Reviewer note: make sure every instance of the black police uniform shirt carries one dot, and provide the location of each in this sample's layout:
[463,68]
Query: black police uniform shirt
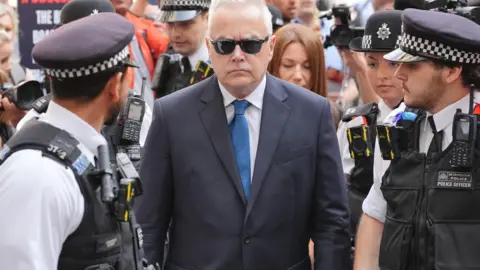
[40,201]
[375,205]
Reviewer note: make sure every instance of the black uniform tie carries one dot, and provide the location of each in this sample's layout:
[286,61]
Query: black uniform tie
[187,68]
[436,144]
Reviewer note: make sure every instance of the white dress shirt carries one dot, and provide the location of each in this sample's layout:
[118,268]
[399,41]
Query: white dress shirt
[253,114]
[347,161]
[40,201]
[375,205]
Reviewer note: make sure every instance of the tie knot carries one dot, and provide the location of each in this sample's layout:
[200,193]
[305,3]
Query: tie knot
[240,106]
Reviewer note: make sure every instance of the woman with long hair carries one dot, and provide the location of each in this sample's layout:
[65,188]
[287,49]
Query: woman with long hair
[299,58]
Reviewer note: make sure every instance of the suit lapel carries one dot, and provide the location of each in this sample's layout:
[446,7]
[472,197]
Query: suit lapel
[274,116]
[214,120]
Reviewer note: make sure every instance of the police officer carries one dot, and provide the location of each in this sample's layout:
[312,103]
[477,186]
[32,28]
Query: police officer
[277,19]
[57,197]
[75,10]
[382,35]
[186,28]
[423,213]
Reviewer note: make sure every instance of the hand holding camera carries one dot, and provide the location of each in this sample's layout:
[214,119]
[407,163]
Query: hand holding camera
[10,114]
[354,61]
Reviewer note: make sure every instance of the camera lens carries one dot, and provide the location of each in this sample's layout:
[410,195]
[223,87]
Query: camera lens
[359,146]
[27,94]
[342,35]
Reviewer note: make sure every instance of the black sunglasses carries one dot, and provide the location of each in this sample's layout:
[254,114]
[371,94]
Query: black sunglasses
[227,46]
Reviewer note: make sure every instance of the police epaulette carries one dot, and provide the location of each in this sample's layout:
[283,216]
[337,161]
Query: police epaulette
[361,110]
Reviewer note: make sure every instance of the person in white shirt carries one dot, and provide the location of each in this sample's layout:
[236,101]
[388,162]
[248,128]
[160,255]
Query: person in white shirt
[186,28]
[416,213]
[380,73]
[53,217]
[75,10]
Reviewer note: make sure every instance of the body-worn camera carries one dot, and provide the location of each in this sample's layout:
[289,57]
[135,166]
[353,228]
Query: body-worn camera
[341,34]
[457,7]
[201,72]
[24,94]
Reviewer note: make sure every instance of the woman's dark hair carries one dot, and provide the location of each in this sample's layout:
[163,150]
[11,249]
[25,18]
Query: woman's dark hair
[83,89]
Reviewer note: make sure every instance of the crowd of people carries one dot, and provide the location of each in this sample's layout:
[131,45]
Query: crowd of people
[242,134]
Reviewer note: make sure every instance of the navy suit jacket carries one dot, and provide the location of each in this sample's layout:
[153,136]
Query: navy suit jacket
[190,178]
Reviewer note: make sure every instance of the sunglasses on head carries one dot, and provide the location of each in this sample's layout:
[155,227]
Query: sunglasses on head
[227,46]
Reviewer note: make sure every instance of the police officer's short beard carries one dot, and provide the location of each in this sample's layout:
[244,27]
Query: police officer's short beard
[114,112]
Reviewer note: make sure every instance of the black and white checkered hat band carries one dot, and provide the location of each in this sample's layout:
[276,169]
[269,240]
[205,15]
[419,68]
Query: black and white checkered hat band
[437,50]
[171,5]
[91,69]
[367,41]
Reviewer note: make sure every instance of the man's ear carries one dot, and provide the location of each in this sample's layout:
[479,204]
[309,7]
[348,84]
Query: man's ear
[271,45]
[112,87]
[209,47]
[450,75]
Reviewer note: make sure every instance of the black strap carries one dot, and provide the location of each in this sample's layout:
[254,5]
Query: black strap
[53,142]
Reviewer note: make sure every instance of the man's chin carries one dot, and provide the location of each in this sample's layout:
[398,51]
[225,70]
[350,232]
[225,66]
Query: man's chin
[413,104]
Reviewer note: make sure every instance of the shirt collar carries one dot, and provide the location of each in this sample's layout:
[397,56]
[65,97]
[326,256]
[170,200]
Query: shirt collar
[383,109]
[255,98]
[62,118]
[200,55]
[444,117]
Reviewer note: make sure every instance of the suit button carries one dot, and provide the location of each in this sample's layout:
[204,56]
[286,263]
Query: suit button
[246,240]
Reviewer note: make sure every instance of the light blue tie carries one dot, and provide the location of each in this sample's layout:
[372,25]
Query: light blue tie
[241,143]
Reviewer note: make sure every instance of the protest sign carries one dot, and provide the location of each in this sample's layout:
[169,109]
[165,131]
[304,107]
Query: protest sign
[37,18]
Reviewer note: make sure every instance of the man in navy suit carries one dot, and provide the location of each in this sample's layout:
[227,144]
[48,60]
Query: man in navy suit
[243,167]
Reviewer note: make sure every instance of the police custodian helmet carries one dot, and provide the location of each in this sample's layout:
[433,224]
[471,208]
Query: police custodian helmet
[437,36]
[382,33]
[77,9]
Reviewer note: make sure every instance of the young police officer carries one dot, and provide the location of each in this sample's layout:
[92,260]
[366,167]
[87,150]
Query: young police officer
[382,35]
[423,213]
[56,218]
[186,28]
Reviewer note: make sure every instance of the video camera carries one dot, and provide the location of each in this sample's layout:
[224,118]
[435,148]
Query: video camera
[457,7]
[24,94]
[341,34]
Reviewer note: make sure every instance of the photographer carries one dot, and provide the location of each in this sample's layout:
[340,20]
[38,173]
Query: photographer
[10,115]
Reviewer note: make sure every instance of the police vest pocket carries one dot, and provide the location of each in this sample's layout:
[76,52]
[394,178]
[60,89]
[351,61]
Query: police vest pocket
[457,246]
[395,245]
[402,202]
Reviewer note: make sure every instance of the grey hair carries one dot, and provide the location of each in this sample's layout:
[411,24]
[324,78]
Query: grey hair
[7,10]
[260,4]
